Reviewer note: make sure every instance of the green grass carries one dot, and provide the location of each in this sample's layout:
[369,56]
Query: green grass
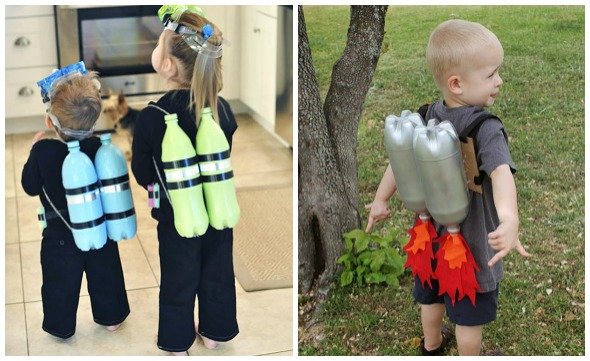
[541,103]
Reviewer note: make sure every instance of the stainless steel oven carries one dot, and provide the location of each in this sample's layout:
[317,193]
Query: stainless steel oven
[115,41]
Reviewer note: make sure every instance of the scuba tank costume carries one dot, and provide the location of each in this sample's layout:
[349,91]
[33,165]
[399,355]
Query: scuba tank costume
[89,188]
[65,236]
[454,210]
[185,184]
[194,263]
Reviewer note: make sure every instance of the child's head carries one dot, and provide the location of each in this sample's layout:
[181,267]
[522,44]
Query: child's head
[464,58]
[75,105]
[190,55]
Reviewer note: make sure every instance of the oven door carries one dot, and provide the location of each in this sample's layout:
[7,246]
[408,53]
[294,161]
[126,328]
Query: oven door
[115,41]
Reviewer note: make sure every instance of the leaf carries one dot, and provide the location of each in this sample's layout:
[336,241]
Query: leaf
[360,270]
[378,259]
[346,278]
[391,279]
[348,243]
[374,277]
[344,257]
[361,244]
[365,258]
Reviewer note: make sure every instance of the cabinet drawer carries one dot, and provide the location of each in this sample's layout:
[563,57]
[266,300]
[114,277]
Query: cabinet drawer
[30,43]
[17,11]
[22,95]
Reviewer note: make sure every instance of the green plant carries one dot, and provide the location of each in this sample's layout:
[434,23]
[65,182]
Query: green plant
[371,258]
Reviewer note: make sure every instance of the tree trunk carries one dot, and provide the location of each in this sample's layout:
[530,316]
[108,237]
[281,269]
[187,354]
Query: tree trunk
[327,172]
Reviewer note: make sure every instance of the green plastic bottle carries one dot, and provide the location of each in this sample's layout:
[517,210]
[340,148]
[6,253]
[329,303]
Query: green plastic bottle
[217,173]
[183,181]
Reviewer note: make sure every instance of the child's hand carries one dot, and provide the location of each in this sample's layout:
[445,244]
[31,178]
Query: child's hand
[378,210]
[38,136]
[503,240]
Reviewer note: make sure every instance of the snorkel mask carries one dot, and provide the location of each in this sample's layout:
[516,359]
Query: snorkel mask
[48,86]
[196,39]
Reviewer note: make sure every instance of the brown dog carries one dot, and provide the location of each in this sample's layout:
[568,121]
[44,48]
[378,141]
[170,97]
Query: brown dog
[123,117]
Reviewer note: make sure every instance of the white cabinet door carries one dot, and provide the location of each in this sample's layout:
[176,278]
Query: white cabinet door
[22,95]
[259,57]
[30,42]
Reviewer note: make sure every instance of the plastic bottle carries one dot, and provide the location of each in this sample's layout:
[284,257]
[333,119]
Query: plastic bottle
[440,166]
[115,193]
[398,138]
[217,172]
[83,197]
[183,181]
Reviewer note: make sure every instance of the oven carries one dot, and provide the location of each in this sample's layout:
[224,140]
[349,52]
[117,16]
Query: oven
[115,41]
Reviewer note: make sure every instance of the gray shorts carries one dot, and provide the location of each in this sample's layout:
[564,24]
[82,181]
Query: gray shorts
[462,313]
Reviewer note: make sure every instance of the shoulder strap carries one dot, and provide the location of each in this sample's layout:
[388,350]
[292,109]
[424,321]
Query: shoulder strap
[153,105]
[422,111]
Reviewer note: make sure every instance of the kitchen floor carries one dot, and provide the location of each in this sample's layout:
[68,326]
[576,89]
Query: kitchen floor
[265,318]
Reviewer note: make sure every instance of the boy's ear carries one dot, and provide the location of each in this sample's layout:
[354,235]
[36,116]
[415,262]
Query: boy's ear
[454,85]
[48,121]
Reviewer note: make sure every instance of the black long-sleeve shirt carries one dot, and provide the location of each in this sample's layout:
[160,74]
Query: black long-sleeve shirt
[148,135]
[43,169]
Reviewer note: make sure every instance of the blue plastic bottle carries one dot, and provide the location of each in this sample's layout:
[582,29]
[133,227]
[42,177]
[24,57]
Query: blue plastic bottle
[115,193]
[83,197]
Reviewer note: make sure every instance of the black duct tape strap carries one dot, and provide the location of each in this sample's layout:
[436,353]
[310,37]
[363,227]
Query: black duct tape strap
[180,163]
[119,215]
[82,190]
[213,156]
[117,180]
[49,215]
[184,184]
[218,177]
[89,224]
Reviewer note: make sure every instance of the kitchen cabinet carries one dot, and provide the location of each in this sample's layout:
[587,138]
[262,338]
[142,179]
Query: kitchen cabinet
[259,63]
[31,53]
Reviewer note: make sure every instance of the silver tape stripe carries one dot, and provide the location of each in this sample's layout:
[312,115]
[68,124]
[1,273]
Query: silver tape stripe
[211,167]
[184,173]
[83,198]
[115,188]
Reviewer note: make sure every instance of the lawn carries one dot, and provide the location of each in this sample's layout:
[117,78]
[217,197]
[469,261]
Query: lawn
[541,103]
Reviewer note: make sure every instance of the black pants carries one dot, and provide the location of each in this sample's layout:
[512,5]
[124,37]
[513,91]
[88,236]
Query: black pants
[63,264]
[196,267]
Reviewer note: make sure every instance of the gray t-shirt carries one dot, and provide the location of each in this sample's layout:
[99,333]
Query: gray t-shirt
[492,151]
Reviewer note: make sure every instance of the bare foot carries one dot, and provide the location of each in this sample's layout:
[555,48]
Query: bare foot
[210,344]
[113,328]
[185,353]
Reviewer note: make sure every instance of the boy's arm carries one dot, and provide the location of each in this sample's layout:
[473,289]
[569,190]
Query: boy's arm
[505,237]
[379,209]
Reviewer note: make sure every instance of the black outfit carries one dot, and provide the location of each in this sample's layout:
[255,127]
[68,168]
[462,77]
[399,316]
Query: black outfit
[190,267]
[62,262]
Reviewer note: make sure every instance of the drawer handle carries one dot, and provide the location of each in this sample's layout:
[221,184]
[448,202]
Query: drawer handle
[22,41]
[256,30]
[26,91]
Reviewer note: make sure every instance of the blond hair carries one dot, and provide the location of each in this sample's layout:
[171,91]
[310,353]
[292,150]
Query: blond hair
[200,73]
[76,102]
[452,44]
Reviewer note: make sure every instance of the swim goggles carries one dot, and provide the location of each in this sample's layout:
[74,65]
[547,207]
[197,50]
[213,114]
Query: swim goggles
[197,40]
[48,86]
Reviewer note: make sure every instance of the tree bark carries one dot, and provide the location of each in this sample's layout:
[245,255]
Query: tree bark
[327,168]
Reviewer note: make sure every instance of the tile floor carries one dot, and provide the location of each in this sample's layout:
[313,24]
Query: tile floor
[265,317]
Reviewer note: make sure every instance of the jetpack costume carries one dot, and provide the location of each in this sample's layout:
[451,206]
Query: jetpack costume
[430,175]
[99,201]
